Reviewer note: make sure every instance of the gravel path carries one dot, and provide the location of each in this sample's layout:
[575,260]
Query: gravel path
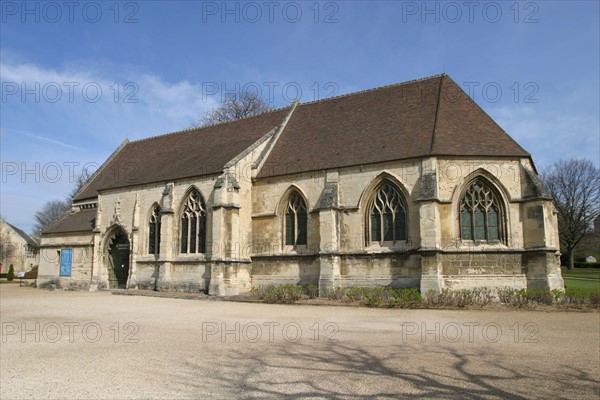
[96,345]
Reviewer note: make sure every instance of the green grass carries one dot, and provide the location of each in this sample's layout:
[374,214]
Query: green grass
[592,274]
[576,283]
[582,273]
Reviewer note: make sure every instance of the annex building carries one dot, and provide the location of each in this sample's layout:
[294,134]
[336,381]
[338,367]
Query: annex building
[408,185]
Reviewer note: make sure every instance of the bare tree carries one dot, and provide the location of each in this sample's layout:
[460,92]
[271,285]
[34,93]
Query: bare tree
[575,187]
[50,213]
[54,210]
[80,181]
[234,107]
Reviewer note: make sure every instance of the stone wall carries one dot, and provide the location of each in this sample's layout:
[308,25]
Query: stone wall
[393,270]
[81,262]
[245,230]
[278,270]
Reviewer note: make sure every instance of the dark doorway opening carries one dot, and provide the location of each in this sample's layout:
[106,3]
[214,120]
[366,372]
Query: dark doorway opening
[118,260]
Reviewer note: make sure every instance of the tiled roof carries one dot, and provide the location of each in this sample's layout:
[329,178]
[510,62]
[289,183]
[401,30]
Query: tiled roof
[80,221]
[194,152]
[431,116]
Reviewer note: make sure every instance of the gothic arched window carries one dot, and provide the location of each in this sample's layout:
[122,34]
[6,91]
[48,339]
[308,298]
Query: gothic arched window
[193,224]
[296,219]
[154,231]
[481,213]
[386,219]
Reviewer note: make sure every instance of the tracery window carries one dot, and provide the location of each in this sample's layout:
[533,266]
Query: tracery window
[296,220]
[386,215]
[193,224]
[154,231]
[481,213]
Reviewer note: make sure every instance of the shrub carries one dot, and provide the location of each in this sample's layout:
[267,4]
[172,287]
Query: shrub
[11,273]
[581,296]
[595,298]
[445,297]
[559,296]
[312,290]
[355,294]
[514,297]
[483,296]
[406,298]
[459,298]
[373,297]
[259,291]
[336,293]
[463,297]
[541,296]
[283,294]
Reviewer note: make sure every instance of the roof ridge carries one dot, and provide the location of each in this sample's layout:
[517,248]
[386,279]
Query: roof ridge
[98,171]
[288,106]
[24,235]
[210,125]
[437,114]
[375,88]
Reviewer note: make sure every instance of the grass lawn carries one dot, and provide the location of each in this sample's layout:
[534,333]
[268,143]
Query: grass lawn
[575,283]
[593,274]
[581,273]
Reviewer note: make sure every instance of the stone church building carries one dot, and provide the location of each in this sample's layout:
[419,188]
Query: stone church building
[408,185]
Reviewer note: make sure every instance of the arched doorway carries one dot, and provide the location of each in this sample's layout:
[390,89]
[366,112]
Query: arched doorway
[118,259]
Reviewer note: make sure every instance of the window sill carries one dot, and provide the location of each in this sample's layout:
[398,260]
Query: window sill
[482,244]
[300,249]
[191,257]
[387,246]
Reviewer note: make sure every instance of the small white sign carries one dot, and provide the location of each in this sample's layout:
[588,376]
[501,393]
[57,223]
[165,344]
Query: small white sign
[21,275]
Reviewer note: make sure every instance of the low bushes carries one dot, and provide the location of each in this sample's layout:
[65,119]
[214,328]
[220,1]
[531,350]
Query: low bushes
[479,296]
[283,294]
[577,297]
[378,296]
[412,298]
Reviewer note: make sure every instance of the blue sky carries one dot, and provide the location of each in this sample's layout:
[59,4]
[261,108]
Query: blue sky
[79,78]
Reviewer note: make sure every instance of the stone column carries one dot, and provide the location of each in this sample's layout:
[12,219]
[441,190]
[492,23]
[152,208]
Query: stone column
[96,260]
[431,272]
[542,257]
[168,237]
[329,246]
[225,236]
[430,228]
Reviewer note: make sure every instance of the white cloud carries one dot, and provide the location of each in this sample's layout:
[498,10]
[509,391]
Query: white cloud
[41,129]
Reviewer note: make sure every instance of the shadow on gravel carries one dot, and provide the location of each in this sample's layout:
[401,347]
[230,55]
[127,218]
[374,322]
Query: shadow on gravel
[333,370]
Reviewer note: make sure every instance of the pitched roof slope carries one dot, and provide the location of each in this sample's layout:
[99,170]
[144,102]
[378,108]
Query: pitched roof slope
[196,152]
[80,221]
[432,116]
[463,128]
[23,235]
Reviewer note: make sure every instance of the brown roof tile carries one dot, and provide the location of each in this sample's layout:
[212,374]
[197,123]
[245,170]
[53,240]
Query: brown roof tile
[196,152]
[389,123]
[431,116]
[464,129]
[81,221]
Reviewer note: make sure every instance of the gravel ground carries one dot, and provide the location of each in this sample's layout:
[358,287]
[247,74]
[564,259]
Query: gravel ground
[80,345]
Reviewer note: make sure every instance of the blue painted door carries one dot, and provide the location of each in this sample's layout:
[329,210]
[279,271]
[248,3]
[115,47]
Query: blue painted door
[66,256]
